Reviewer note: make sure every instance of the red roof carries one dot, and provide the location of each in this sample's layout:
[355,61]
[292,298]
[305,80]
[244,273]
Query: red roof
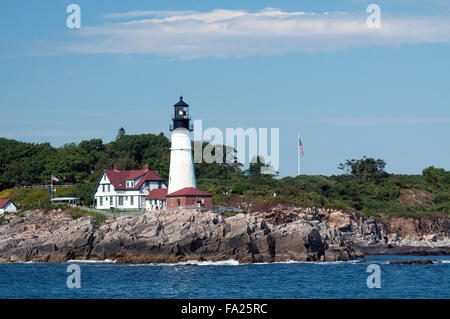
[3,202]
[157,193]
[189,191]
[119,177]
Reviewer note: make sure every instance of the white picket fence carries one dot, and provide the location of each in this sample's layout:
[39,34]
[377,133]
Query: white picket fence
[45,186]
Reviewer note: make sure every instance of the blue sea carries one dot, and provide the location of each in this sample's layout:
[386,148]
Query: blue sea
[229,279]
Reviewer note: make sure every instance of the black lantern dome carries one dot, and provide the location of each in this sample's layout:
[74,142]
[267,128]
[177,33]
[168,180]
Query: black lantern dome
[181,116]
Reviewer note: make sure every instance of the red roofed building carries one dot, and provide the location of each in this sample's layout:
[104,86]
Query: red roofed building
[126,189]
[156,200]
[6,205]
[189,198]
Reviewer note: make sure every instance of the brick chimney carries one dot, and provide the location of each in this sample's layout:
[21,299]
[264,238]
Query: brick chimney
[146,167]
[116,167]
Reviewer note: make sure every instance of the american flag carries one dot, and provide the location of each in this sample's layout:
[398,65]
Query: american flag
[55,179]
[300,146]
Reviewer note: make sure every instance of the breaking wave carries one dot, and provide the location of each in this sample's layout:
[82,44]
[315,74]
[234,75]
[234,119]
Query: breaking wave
[92,261]
[230,262]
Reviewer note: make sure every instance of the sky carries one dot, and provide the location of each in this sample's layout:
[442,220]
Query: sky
[312,68]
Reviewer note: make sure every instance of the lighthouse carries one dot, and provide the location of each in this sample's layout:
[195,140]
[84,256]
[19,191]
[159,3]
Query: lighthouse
[181,173]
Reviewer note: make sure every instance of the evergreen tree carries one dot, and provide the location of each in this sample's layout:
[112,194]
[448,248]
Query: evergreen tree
[121,132]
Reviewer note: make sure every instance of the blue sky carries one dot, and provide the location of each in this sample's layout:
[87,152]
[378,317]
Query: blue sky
[303,66]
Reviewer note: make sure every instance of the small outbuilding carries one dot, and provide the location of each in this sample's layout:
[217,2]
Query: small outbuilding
[7,206]
[156,199]
[189,198]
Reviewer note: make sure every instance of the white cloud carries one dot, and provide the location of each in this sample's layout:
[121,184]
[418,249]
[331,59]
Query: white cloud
[239,33]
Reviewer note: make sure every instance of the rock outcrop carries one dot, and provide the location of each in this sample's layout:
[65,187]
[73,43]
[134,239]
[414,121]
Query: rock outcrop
[52,237]
[366,235]
[161,237]
[301,234]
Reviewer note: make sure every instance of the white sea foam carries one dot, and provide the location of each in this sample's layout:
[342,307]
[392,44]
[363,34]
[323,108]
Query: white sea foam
[92,261]
[308,262]
[230,262]
[280,262]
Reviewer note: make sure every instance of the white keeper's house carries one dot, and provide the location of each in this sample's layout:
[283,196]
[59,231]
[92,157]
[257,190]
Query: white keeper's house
[128,189]
[6,205]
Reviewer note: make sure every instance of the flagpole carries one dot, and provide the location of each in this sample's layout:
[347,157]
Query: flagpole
[298,154]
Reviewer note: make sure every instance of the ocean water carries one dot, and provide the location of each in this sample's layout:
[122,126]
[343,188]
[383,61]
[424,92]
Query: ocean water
[229,279]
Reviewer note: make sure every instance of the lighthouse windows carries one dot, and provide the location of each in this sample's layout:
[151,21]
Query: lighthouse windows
[180,112]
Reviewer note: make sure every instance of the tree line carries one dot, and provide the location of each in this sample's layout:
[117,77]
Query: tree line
[363,186]
[31,164]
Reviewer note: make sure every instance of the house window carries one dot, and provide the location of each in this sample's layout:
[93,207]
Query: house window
[171,202]
[103,187]
[111,201]
[132,200]
[159,184]
[109,187]
[101,201]
[104,177]
[120,200]
[178,202]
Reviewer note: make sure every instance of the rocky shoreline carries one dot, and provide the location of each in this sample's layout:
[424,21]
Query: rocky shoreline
[282,234]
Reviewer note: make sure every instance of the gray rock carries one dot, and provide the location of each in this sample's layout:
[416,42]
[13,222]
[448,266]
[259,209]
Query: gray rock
[300,234]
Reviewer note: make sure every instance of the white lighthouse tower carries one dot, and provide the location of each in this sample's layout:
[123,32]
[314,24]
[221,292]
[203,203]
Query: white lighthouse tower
[181,172]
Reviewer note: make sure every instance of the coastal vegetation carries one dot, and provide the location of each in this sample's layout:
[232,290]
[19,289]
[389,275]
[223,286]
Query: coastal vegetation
[364,186]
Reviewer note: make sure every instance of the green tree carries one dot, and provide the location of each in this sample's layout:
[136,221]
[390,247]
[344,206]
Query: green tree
[69,164]
[93,149]
[433,175]
[121,132]
[365,168]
